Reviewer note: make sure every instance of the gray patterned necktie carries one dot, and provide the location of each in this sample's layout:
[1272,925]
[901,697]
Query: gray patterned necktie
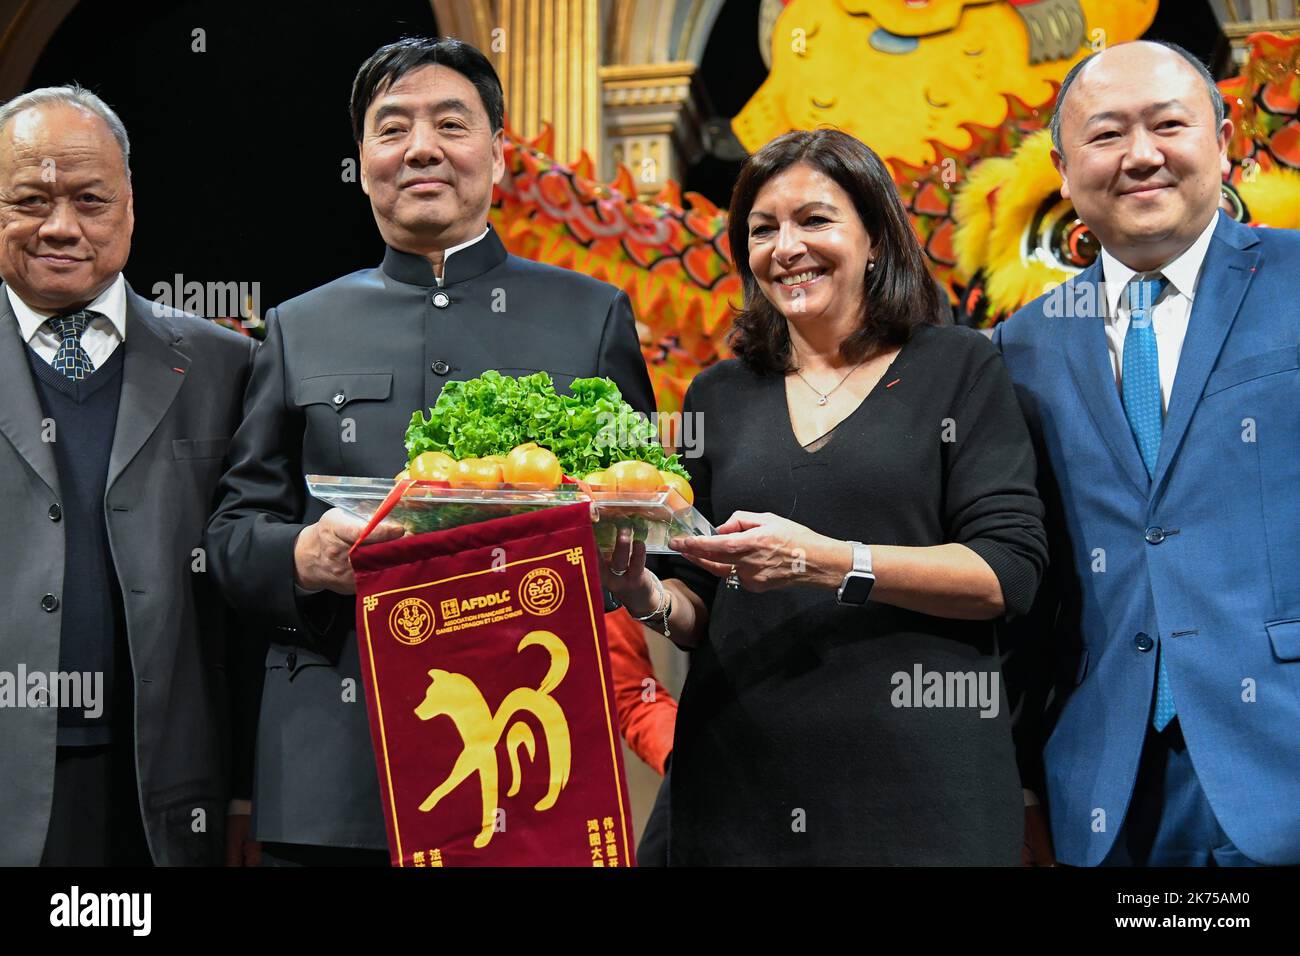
[71,359]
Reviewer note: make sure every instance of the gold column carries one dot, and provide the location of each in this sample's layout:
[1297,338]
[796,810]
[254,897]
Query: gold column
[548,55]
[653,118]
[468,20]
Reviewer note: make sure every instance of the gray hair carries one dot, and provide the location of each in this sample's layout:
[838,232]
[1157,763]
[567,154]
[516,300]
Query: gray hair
[72,95]
[1216,97]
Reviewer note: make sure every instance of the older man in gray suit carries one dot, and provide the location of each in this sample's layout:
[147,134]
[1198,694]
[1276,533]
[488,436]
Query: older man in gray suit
[115,415]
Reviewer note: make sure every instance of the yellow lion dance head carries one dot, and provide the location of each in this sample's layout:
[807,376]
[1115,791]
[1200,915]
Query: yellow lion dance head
[901,74]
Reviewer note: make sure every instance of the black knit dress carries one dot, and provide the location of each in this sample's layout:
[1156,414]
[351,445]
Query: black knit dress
[793,744]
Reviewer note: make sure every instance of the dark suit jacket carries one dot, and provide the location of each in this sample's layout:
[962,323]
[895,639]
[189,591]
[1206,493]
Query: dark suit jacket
[182,383]
[332,392]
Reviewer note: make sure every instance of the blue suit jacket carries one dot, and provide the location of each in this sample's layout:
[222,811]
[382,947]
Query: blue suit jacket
[1206,556]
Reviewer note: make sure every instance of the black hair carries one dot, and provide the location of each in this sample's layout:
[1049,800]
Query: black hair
[390,63]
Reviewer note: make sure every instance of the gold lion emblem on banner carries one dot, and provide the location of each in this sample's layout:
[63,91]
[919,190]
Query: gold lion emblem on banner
[541,591]
[411,620]
[457,697]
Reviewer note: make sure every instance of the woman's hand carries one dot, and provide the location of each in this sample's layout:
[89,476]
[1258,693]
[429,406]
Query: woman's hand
[769,552]
[636,588]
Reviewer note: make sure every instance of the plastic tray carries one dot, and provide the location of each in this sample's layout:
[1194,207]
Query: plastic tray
[435,506]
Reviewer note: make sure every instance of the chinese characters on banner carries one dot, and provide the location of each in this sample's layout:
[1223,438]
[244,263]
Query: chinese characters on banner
[602,853]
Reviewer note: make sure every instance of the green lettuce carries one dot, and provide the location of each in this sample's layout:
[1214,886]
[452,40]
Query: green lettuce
[588,430]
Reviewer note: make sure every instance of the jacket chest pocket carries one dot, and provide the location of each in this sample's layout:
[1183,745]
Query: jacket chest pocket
[340,409]
[200,458]
[199,449]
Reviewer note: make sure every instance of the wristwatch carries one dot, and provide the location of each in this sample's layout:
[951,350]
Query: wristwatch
[856,586]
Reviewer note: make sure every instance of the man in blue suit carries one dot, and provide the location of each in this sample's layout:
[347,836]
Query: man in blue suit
[1162,387]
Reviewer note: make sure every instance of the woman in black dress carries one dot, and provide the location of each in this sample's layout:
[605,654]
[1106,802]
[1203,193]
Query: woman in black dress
[826,717]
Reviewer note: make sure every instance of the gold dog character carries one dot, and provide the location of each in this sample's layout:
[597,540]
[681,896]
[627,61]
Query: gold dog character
[457,697]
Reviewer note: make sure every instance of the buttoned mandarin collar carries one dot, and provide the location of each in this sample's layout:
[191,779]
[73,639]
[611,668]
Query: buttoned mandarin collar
[464,263]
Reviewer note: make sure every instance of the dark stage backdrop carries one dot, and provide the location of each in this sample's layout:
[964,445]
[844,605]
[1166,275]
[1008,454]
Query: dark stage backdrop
[237,152]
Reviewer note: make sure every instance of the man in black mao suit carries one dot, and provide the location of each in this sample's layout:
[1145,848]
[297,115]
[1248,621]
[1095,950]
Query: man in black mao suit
[332,392]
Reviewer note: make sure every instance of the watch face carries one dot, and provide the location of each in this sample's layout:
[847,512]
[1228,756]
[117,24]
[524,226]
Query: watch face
[857,588]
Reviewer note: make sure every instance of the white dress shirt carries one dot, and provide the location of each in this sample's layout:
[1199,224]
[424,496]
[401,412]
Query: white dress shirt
[1172,310]
[454,249]
[104,333]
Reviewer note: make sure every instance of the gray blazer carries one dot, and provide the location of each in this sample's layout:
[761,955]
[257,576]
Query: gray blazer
[333,389]
[182,386]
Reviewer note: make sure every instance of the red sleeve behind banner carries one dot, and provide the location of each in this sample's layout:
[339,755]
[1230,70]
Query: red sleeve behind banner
[490,696]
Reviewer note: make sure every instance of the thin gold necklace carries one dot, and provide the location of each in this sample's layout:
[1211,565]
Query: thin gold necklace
[823,397]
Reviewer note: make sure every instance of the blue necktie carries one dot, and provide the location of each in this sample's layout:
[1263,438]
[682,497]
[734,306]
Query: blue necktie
[71,359]
[1143,407]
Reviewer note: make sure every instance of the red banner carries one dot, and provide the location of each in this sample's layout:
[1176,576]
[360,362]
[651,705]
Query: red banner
[490,697]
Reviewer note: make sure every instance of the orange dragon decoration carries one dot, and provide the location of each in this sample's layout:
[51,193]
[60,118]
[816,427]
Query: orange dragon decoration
[673,262]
